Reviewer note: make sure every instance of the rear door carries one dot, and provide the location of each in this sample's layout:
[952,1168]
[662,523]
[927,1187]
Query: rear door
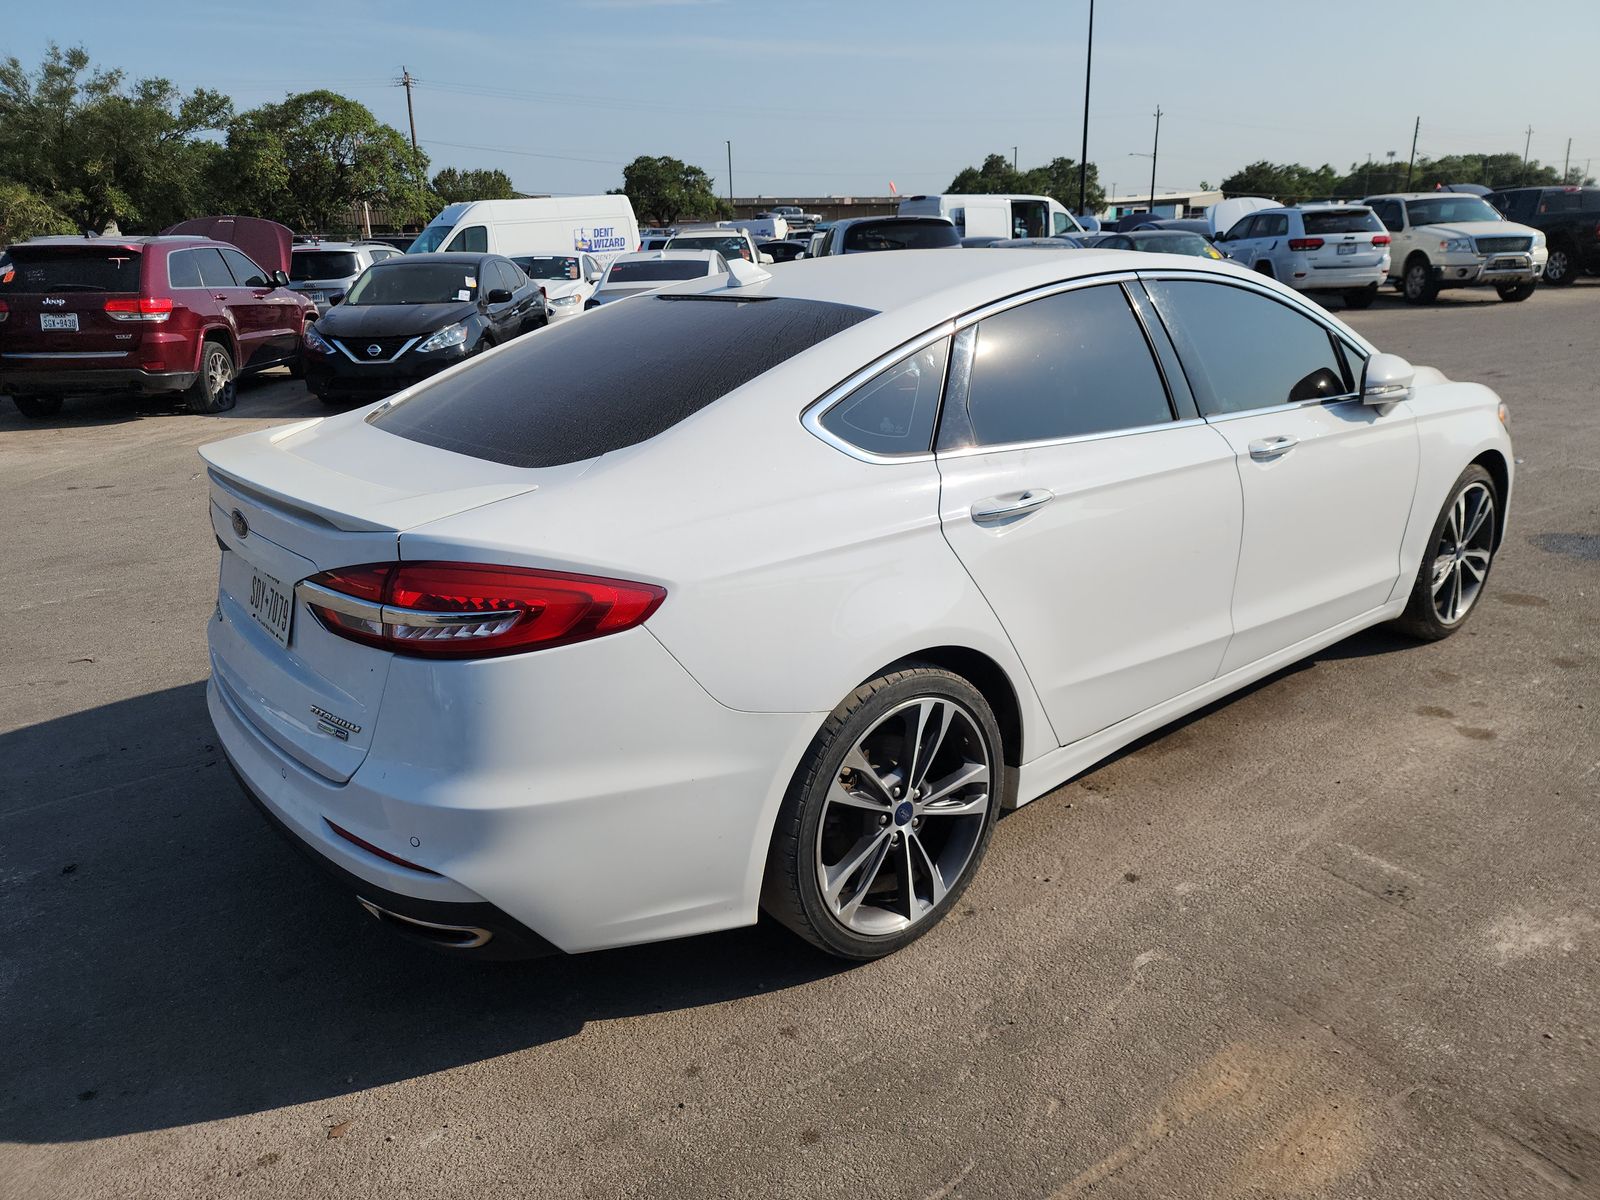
[56,299]
[1235,243]
[1102,529]
[1327,481]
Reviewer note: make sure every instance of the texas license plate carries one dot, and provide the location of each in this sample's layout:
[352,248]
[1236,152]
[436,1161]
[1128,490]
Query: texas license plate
[271,606]
[1504,264]
[317,297]
[1347,247]
[59,321]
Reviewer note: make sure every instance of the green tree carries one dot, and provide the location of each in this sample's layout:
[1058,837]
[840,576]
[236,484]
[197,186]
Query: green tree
[1057,179]
[95,147]
[453,186]
[1288,182]
[306,160]
[664,191]
[23,214]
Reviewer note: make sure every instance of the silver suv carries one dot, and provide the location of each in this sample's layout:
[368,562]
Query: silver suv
[324,271]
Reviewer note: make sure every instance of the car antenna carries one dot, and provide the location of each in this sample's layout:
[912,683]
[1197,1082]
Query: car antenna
[744,274]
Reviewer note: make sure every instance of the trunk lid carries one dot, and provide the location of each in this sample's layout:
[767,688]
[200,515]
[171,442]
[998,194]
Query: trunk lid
[287,503]
[56,296]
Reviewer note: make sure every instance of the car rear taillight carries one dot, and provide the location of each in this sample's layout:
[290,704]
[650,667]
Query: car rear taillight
[144,308]
[471,610]
[1380,239]
[5,310]
[1305,243]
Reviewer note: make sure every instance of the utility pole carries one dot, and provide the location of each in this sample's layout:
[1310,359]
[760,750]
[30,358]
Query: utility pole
[406,81]
[1566,163]
[1412,161]
[1013,160]
[1155,149]
[1083,155]
[1526,142]
[730,171]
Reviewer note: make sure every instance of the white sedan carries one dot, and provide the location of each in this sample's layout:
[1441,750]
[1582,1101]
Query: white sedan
[774,589]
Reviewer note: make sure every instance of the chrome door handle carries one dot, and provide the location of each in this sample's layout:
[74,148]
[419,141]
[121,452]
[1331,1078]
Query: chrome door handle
[1273,447]
[998,510]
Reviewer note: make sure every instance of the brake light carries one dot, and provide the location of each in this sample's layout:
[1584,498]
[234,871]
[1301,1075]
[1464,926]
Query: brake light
[1305,243]
[144,308]
[1380,239]
[5,310]
[471,610]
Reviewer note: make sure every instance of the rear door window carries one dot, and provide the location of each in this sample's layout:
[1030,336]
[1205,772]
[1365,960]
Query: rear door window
[76,271]
[1271,225]
[575,391]
[213,270]
[1242,350]
[1064,366]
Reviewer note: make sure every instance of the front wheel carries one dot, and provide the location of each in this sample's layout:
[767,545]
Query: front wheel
[215,388]
[1361,297]
[1456,566]
[1515,292]
[889,814]
[1418,283]
[38,408]
[1559,268]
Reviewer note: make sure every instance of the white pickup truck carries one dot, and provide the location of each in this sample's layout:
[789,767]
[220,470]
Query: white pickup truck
[1451,239]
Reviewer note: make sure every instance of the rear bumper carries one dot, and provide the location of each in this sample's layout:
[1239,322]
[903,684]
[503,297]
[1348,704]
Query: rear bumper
[1318,278]
[49,381]
[585,815]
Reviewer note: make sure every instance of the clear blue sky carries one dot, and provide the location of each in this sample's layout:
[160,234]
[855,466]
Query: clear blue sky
[837,97]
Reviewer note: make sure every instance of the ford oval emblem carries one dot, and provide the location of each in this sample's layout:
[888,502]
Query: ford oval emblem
[374,350]
[241,527]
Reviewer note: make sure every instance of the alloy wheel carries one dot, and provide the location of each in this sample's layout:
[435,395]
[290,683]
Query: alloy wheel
[1557,266]
[903,816]
[1461,559]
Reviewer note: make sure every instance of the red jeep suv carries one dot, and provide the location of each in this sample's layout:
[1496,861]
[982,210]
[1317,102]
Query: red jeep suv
[182,313]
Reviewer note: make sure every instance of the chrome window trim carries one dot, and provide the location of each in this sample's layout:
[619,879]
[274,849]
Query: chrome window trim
[973,316]
[1280,408]
[1132,431]
[811,418]
[1291,300]
[376,362]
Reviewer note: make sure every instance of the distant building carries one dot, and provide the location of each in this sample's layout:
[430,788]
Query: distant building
[829,208]
[1168,205]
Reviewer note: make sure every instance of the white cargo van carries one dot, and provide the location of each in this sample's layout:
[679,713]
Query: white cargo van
[995,216]
[603,226]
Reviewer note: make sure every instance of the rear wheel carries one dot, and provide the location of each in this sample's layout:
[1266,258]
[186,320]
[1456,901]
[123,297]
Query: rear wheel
[1419,285]
[889,814]
[215,388]
[1561,267]
[1515,291]
[38,408]
[1456,567]
[1361,297]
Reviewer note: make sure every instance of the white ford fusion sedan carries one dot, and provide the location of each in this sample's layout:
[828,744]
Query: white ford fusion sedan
[773,590]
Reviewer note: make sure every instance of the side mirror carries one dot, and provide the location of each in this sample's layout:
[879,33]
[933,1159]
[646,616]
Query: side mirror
[764,260]
[593,277]
[799,254]
[499,296]
[279,279]
[1386,380]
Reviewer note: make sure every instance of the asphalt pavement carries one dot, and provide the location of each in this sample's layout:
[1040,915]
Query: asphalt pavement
[1336,936]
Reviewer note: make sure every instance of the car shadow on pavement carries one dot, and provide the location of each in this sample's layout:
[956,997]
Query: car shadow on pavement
[257,398]
[166,959]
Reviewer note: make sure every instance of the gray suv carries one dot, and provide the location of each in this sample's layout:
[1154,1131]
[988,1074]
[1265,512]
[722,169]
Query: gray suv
[324,271]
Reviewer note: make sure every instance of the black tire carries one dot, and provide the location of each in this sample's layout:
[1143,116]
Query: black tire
[1561,269]
[1422,618]
[1361,297]
[38,408]
[793,890]
[1515,293]
[297,365]
[1418,284]
[216,387]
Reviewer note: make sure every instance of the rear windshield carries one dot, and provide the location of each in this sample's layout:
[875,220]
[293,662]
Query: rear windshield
[72,271]
[1360,220]
[404,283]
[616,378]
[323,264]
[900,235]
[639,272]
[726,246]
[549,266]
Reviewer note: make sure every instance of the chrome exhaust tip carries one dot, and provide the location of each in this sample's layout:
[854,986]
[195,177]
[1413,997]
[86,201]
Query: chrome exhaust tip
[448,937]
